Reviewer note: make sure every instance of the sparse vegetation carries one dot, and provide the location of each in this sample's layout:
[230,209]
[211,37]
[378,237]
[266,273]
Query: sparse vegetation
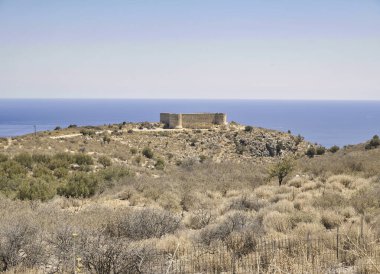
[204,203]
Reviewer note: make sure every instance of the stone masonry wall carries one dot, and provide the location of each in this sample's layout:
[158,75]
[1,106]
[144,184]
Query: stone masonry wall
[196,120]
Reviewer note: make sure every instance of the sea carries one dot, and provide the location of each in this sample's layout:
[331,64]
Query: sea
[324,122]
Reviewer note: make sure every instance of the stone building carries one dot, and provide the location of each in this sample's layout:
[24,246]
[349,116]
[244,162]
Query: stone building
[192,120]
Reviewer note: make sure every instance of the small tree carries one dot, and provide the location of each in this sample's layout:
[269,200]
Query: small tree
[148,153]
[248,129]
[320,150]
[334,149]
[310,152]
[281,169]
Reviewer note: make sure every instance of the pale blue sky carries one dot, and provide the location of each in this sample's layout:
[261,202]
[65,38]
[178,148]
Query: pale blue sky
[267,49]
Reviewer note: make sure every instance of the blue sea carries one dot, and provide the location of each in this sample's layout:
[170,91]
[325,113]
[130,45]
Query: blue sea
[324,122]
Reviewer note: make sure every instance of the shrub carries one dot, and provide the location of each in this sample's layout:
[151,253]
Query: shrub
[330,219]
[12,169]
[144,224]
[298,139]
[57,128]
[79,185]
[334,149]
[41,158]
[88,132]
[83,159]
[160,164]
[3,157]
[104,161]
[133,151]
[36,189]
[148,153]
[373,143]
[61,172]
[40,170]
[310,152]
[106,139]
[248,129]
[281,169]
[72,126]
[24,159]
[320,150]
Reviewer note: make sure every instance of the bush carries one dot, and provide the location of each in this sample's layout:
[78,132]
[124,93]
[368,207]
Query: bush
[79,185]
[72,126]
[334,149]
[320,150]
[24,159]
[148,153]
[133,151]
[41,158]
[57,128]
[104,161]
[248,129]
[83,159]
[61,172]
[160,164]
[3,157]
[11,169]
[373,143]
[281,169]
[310,152]
[36,189]
[144,224]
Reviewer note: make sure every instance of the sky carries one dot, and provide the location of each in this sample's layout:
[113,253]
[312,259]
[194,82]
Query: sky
[240,49]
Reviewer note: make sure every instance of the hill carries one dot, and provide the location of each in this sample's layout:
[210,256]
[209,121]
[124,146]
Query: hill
[146,195]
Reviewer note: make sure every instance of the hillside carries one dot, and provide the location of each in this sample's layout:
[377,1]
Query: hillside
[196,201]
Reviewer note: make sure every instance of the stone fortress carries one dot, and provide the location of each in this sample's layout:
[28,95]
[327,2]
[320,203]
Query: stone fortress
[192,120]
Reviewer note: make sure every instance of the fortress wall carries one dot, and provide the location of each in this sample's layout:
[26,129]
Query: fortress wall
[175,121]
[164,118]
[202,120]
[195,120]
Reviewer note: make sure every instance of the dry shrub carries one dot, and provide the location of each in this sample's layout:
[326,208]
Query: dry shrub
[170,201]
[309,186]
[330,199]
[330,219]
[312,228]
[144,224]
[277,221]
[283,206]
[199,219]
[246,202]
[297,182]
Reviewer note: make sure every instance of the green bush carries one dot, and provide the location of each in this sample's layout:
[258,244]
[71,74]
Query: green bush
[320,150]
[3,157]
[133,151]
[310,152]
[36,189]
[281,169]
[373,143]
[11,169]
[248,129]
[334,149]
[24,159]
[83,159]
[61,172]
[41,170]
[79,185]
[114,173]
[160,164]
[104,161]
[41,158]
[148,153]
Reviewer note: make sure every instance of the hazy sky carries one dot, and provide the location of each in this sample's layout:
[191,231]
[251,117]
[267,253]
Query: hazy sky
[263,49]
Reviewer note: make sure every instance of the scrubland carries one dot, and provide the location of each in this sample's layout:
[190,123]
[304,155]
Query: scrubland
[112,216]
